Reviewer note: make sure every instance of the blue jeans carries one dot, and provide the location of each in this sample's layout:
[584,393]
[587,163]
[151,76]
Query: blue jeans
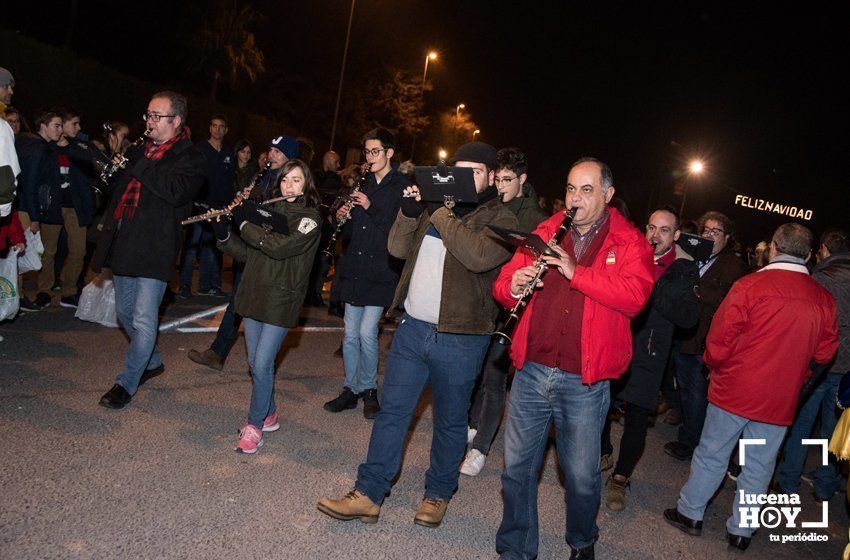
[820,403]
[263,341]
[418,355]
[693,393]
[711,459]
[539,396]
[137,303]
[360,347]
[228,329]
[201,238]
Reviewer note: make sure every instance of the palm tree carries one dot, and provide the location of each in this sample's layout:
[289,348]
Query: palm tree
[225,46]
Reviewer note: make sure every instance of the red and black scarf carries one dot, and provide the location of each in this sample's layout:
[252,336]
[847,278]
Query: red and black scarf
[126,209]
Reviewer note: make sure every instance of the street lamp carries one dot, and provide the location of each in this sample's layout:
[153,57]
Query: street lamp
[695,167]
[475,133]
[442,154]
[432,55]
[342,74]
[457,111]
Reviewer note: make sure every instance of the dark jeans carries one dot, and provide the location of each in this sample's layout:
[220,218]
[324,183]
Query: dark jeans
[201,239]
[228,330]
[450,363]
[488,404]
[693,392]
[633,441]
[819,406]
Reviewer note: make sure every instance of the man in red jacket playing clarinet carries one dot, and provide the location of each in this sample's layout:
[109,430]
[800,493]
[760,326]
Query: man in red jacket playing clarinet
[573,338]
[772,330]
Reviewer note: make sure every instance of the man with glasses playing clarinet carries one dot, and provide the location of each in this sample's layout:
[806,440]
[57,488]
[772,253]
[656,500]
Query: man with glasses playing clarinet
[367,274]
[717,274]
[141,234]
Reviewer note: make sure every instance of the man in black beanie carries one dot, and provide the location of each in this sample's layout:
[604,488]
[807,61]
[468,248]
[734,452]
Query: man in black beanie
[451,259]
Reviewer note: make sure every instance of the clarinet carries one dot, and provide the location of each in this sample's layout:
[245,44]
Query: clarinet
[503,335]
[112,167]
[241,197]
[349,205]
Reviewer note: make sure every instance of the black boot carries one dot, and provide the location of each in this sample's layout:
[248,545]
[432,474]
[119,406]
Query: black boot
[345,401]
[370,403]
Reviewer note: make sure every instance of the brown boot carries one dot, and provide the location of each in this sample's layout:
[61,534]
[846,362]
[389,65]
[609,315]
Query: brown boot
[353,505]
[207,358]
[615,492]
[431,512]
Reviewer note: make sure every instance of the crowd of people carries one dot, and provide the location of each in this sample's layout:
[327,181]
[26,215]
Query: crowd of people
[626,324]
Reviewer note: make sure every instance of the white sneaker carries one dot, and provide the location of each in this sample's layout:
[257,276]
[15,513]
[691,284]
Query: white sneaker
[470,435]
[473,463]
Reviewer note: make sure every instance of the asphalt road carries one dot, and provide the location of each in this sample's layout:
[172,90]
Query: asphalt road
[160,479]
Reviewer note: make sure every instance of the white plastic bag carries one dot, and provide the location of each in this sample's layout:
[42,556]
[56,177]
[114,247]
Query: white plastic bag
[10,299]
[97,303]
[31,259]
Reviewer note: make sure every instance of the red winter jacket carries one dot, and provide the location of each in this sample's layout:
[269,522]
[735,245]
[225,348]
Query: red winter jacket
[768,328]
[11,232]
[616,287]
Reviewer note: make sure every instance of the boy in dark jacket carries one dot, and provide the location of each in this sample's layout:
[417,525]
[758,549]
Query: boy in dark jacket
[368,274]
[519,197]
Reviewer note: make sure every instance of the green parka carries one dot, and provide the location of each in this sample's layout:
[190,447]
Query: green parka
[277,267]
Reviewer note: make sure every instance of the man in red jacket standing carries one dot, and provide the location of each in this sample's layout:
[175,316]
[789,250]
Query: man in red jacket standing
[573,337]
[757,371]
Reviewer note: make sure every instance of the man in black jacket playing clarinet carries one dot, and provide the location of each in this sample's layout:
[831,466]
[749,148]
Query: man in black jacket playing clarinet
[141,234]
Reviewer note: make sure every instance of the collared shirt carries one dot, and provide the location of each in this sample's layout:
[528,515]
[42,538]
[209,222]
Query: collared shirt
[582,242]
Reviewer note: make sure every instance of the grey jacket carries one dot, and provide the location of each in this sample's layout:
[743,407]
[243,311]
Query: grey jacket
[833,273]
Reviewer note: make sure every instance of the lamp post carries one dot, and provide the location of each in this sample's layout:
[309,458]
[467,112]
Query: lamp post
[342,74]
[442,154]
[432,55]
[696,167]
[475,133]
[457,111]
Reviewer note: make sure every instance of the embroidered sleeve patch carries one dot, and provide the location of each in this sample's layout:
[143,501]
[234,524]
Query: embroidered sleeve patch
[307,225]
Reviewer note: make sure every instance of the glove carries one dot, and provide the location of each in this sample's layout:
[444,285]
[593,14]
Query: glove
[241,214]
[411,207]
[221,228]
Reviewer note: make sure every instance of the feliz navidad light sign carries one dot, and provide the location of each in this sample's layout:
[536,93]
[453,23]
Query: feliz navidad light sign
[773,207]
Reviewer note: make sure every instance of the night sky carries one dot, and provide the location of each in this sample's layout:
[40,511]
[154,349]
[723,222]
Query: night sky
[754,91]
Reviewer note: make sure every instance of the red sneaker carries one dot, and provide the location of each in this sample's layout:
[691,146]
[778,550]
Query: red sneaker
[250,439]
[270,424]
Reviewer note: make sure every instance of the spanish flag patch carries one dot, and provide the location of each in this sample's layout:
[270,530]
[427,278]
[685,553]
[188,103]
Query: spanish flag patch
[611,258]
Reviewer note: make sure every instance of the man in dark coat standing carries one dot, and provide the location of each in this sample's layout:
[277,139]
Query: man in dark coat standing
[141,234]
[717,275]
[368,275]
[672,304]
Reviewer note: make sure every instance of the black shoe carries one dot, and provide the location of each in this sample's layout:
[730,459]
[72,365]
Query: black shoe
[117,397]
[43,299]
[336,309]
[345,401]
[57,287]
[150,374]
[585,553]
[737,541]
[185,292]
[27,305]
[370,403]
[678,450]
[684,524]
[70,301]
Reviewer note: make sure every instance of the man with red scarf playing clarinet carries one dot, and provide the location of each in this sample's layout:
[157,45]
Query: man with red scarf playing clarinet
[141,234]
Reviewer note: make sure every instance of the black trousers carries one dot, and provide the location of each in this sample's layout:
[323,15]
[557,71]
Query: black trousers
[633,441]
